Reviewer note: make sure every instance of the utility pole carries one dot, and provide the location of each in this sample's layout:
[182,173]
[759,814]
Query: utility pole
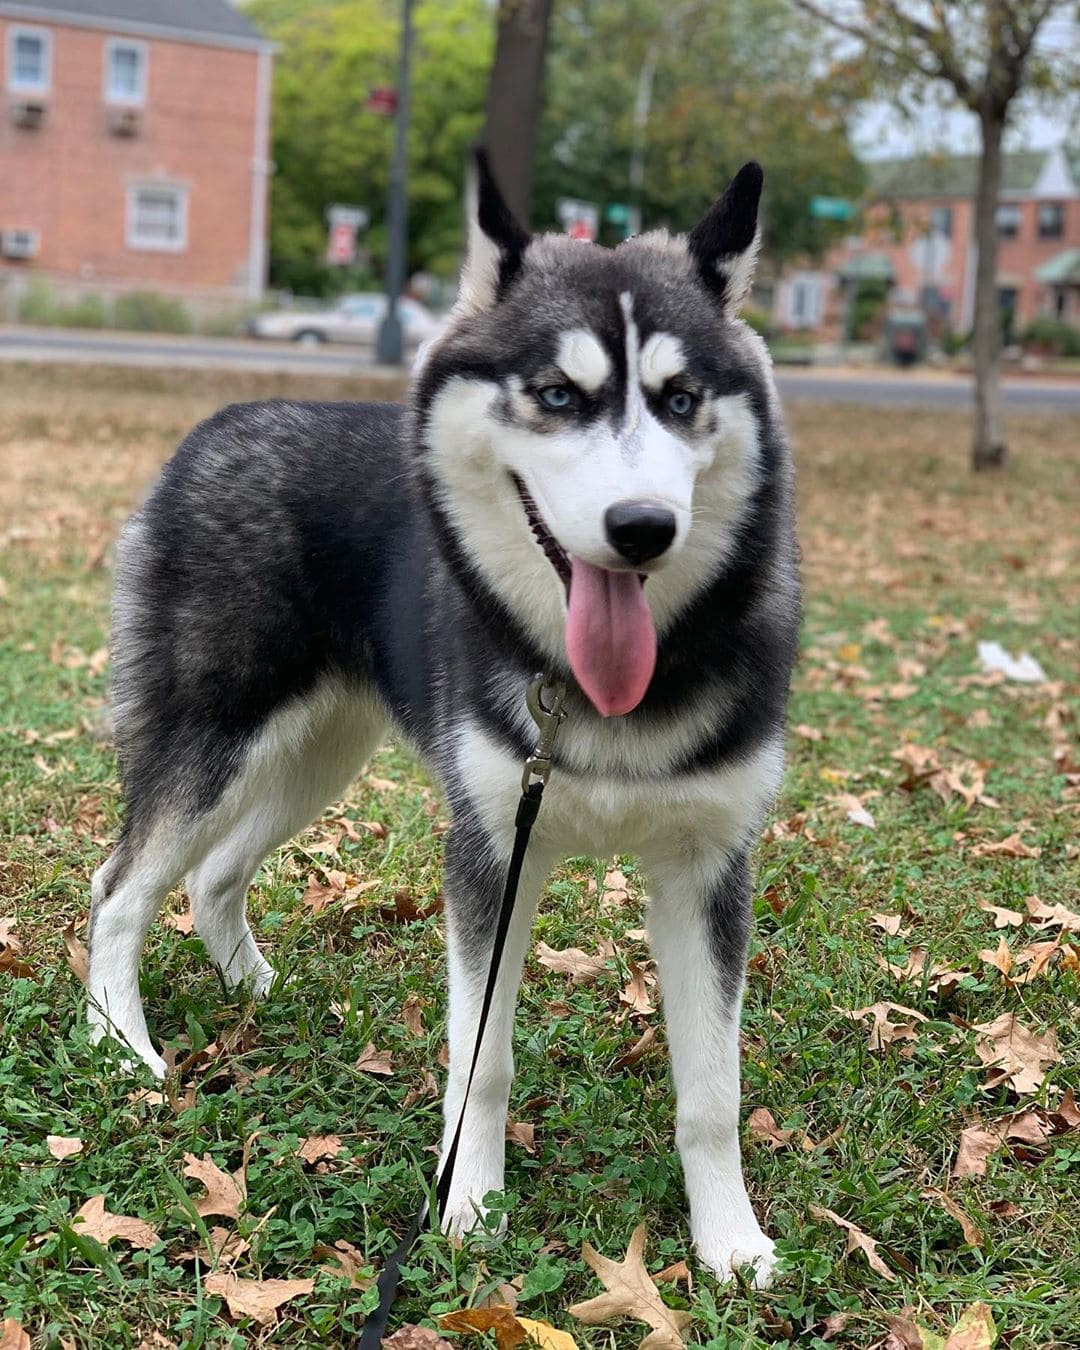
[390,346]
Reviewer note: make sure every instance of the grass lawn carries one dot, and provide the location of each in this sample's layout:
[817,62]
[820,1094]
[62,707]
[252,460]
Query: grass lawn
[918,793]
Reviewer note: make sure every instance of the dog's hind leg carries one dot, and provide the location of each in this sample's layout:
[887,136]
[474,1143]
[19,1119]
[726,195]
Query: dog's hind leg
[698,924]
[475,877]
[127,892]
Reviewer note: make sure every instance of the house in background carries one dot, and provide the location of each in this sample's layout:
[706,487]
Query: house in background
[917,240]
[134,148]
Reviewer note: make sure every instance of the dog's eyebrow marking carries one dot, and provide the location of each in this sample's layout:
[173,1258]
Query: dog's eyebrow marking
[661,357]
[583,360]
[634,401]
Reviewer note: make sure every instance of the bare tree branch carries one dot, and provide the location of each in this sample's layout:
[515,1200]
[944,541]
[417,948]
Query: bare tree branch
[870,39]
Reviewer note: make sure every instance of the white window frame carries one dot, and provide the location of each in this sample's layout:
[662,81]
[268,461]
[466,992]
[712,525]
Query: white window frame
[126,100]
[143,245]
[15,32]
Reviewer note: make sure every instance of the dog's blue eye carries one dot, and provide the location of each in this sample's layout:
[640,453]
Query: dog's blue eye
[554,396]
[681,403]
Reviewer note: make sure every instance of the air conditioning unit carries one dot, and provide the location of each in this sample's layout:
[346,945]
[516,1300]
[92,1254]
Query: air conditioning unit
[19,243]
[29,113]
[121,120]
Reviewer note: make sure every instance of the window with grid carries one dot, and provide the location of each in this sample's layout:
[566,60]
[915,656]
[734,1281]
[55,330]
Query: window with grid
[157,218]
[1008,220]
[28,60]
[1051,218]
[125,72]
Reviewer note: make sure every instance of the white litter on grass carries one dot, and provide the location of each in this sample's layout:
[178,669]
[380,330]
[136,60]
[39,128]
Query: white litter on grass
[993,656]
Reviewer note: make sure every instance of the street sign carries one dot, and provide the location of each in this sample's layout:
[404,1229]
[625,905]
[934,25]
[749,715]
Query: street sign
[831,208]
[617,213]
[344,224]
[580,220]
[382,101]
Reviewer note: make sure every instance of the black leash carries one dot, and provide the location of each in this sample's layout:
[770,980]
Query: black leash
[548,716]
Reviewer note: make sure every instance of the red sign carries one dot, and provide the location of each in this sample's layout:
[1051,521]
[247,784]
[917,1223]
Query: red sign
[382,101]
[341,244]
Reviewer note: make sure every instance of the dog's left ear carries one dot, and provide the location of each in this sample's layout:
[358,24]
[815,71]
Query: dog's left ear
[724,243]
[496,242]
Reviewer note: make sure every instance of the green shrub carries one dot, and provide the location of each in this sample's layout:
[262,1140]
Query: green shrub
[953,341]
[86,312]
[1053,335]
[760,321]
[148,312]
[36,305]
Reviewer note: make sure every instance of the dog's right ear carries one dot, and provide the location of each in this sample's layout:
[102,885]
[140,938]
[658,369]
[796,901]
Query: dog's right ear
[496,241]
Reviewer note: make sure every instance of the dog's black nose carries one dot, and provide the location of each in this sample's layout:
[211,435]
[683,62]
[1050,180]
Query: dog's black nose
[639,531]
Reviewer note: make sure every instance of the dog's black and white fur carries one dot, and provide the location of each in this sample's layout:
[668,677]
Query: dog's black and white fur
[305,574]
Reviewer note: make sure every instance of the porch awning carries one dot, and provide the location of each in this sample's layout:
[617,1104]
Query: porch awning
[1063,269]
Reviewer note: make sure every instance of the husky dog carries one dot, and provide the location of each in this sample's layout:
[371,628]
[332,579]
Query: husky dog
[590,480]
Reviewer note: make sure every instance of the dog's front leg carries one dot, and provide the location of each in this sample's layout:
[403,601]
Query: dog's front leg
[475,878]
[698,924]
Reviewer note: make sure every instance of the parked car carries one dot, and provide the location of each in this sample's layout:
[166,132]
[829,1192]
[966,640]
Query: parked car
[354,318]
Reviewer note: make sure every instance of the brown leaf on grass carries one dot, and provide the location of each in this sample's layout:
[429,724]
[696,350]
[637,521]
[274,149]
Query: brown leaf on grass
[679,1273]
[412,1337]
[883,1032]
[903,1334]
[920,763]
[854,809]
[976,1145]
[1002,958]
[967,781]
[499,1319]
[427,1088]
[521,1132]
[974,1331]
[225,1194]
[636,994]
[319,1146]
[374,1061]
[78,958]
[94,1220]
[12,1336]
[1036,956]
[888,923]
[1016,1054]
[834,1324]
[763,1127]
[338,887]
[183,923]
[857,1240]
[637,1051]
[406,908]
[1003,918]
[1012,847]
[632,1293]
[616,890]
[63,1146]
[1004,1209]
[806,733]
[1052,916]
[257,1299]
[225,1249]
[10,964]
[7,935]
[940,977]
[344,1261]
[412,1014]
[572,961]
[970,1229]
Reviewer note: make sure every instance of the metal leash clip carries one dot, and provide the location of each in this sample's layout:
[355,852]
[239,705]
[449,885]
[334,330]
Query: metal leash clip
[548,716]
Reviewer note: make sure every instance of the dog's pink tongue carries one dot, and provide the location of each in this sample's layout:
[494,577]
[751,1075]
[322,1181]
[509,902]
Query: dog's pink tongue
[610,638]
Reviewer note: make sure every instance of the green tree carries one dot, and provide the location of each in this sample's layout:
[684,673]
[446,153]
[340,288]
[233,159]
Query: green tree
[328,147]
[985,54]
[656,104]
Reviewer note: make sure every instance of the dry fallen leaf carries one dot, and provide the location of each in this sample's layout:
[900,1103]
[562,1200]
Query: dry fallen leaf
[12,1336]
[854,809]
[94,1220]
[1012,847]
[1003,918]
[970,1229]
[857,1240]
[257,1299]
[412,1014]
[63,1146]
[498,1319]
[807,733]
[636,994]
[1052,916]
[581,967]
[1017,1055]
[976,1145]
[412,1337]
[546,1336]
[319,1146]
[882,1031]
[888,923]
[637,1051]
[225,1194]
[632,1293]
[974,1331]
[78,958]
[762,1125]
[344,1261]
[1002,958]
[375,1061]
[521,1132]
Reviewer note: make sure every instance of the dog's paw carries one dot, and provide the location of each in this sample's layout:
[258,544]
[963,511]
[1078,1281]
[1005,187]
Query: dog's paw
[128,1063]
[728,1254]
[465,1214]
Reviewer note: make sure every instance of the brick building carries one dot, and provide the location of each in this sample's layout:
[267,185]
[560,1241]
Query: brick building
[134,147]
[917,236]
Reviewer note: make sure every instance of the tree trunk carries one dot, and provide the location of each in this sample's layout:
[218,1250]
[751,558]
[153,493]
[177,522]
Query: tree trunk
[989,450]
[514,98]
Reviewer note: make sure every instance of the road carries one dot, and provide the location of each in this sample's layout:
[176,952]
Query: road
[909,389]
